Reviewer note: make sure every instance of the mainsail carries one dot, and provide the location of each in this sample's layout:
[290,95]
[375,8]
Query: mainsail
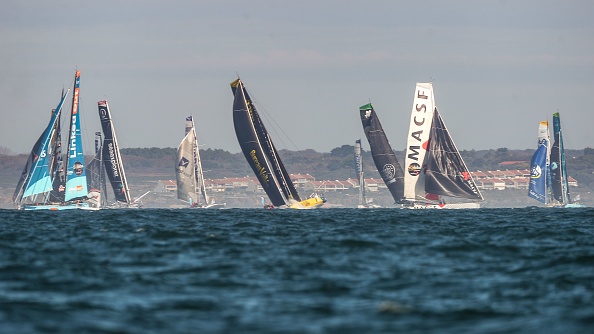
[539,166]
[258,149]
[76,179]
[382,153]
[558,168]
[189,171]
[418,140]
[359,172]
[111,158]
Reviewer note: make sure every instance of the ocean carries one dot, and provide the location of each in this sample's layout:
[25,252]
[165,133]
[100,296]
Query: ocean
[528,270]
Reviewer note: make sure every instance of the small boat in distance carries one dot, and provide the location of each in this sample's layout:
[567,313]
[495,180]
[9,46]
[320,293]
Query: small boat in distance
[434,166]
[262,156]
[548,172]
[189,173]
[43,184]
[364,203]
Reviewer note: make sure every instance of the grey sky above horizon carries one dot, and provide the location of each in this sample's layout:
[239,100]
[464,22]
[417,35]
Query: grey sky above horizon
[498,68]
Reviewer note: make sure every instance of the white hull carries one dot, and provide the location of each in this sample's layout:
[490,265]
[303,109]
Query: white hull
[58,207]
[450,206]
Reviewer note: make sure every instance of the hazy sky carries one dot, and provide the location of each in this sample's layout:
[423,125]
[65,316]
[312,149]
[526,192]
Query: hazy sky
[498,68]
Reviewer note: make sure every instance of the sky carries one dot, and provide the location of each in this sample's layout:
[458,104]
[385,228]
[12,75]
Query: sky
[498,68]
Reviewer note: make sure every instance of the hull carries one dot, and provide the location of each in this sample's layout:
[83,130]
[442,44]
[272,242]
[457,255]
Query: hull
[451,206]
[368,206]
[211,206]
[313,202]
[58,207]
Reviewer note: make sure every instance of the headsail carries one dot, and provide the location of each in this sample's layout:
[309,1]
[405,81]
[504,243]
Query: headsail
[112,160]
[258,149]
[76,179]
[382,153]
[38,179]
[418,141]
[446,173]
[538,174]
[185,169]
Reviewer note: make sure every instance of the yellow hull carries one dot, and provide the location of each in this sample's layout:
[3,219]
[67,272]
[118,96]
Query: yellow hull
[310,203]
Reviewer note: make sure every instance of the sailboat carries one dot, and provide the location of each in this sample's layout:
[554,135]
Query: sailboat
[43,184]
[112,162]
[548,173]
[382,153]
[189,173]
[363,202]
[262,156]
[96,176]
[435,167]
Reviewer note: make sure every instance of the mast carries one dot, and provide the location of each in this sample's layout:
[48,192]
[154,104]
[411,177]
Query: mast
[418,141]
[111,156]
[359,171]
[76,179]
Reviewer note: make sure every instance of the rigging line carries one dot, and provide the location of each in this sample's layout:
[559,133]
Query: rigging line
[275,125]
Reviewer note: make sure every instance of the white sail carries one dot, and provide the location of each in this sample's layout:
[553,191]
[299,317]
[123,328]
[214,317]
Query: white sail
[185,169]
[417,140]
[543,134]
[199,174]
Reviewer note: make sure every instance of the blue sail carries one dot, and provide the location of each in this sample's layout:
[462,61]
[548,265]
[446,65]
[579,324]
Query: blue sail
[40,178]
[76,177]
[537,188]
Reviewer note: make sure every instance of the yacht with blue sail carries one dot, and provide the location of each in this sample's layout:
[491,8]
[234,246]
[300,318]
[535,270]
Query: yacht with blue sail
[548,170]
[44,184]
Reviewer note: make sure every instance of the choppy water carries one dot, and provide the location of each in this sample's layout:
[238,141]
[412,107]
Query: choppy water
[285,271]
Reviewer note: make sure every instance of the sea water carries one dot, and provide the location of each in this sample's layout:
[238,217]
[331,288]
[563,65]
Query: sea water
[286,271]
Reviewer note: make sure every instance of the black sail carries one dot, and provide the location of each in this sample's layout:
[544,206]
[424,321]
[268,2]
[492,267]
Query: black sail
[382,153]
[111,156]
[258,149]
[446,173]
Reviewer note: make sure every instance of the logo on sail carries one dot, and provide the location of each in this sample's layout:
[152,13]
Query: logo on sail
[183,162]
[261,170]
[414,169]
[388,172]
[535,172]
